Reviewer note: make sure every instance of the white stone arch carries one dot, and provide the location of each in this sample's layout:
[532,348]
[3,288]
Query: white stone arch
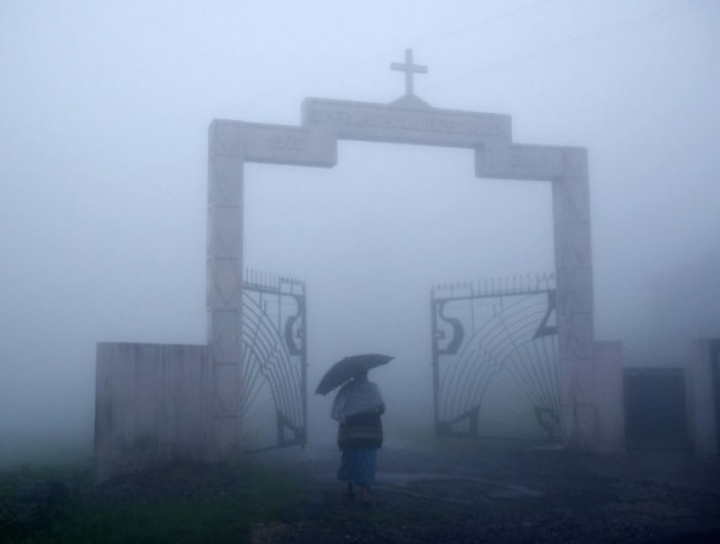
[408,120]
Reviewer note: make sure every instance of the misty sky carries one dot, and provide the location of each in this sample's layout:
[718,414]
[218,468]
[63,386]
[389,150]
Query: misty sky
[104,109]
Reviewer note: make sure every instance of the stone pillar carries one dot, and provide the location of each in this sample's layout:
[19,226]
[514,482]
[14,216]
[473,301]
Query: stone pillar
[573,266]
[224,295]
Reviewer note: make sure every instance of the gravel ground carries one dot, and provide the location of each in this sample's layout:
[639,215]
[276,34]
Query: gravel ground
[460,493]
[507,493]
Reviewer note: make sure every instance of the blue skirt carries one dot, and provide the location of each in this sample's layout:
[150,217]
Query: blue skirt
[358,466]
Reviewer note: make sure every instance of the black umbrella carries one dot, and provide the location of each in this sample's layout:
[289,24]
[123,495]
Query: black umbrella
[344,370]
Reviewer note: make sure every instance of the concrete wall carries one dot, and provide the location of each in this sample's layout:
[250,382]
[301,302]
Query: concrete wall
[150,407]
[701,400]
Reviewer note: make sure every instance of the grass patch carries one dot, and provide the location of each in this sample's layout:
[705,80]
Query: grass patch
[264,496]
[179,522]
[76,475]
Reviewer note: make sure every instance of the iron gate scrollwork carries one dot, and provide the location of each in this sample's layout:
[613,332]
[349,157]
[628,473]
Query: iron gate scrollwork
[494,349]
[274,354]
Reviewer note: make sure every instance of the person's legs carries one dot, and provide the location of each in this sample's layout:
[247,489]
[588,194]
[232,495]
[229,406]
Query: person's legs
[367,496]
[346,473]
[367,460]
[358,468]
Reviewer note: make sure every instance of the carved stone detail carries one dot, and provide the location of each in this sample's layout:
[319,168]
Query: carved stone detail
[224,286]
[571,201]
[226,397]
[226,290]
[576,296]
[577,340]
[579,407]
[223,234]
[225,138]
[225,337]
[224,180]
[573,263]
[383,123]
[289,145]
[572,244]
[576,162]
[519,161]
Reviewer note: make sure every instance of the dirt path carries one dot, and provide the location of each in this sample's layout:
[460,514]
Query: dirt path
[504,493]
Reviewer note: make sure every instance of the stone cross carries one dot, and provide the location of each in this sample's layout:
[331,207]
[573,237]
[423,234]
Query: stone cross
[409,68]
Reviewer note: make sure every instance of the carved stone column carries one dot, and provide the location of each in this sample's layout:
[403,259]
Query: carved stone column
[573,265]
[224,295]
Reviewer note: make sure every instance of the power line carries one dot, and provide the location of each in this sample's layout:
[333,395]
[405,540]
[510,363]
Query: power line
[570,44]
[378,58]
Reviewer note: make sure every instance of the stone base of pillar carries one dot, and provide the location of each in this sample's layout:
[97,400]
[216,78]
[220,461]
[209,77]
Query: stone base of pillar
[593,414]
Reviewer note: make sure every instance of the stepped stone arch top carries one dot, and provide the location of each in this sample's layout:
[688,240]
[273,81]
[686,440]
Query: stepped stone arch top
[408,120]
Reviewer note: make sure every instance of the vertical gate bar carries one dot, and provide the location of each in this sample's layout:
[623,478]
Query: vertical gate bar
[435,362]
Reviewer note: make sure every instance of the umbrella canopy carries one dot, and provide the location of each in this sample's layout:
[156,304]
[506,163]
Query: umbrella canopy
[344,370]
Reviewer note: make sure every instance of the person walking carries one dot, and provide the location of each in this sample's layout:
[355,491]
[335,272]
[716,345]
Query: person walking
[358,407]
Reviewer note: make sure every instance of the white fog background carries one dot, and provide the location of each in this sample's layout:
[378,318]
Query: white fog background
[104,110]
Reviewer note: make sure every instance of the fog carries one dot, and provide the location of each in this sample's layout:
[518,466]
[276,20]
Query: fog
[104,110]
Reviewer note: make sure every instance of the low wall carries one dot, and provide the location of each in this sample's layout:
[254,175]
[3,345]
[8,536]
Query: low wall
[150,405]
[608,383]
[701,399]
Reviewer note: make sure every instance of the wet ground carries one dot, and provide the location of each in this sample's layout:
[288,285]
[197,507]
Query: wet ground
[451,491]
[503,492]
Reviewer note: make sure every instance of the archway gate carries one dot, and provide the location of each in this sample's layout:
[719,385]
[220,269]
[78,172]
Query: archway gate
[408,120]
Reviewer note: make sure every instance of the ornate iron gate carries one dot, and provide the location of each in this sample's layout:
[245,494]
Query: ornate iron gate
[494,349]
[274,354]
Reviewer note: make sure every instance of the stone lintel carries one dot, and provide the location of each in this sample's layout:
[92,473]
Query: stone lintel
[272,144]
[349,120]
[279,144]
[520,162]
